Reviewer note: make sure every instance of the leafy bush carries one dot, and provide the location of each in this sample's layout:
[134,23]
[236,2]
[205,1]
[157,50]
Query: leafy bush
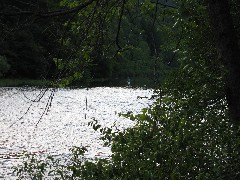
[170,144]
[4,66]
[174,139]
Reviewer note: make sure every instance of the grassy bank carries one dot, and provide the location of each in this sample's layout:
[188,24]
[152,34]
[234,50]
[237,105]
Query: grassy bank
[23,82]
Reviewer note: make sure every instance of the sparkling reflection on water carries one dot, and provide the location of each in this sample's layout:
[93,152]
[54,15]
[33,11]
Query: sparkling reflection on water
[30,126]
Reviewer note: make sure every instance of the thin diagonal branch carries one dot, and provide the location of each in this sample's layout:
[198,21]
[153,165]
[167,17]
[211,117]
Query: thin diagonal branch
[119,25]
[41,14]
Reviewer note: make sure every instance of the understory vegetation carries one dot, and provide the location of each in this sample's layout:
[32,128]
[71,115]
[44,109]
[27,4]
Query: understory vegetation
[180,137]
[190,131]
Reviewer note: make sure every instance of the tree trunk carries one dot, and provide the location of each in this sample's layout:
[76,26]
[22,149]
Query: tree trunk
[227,45]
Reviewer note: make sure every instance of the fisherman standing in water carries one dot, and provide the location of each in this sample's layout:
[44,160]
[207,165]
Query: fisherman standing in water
[129,82]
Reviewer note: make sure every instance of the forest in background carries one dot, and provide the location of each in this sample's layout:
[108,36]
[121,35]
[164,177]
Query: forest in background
[30,46]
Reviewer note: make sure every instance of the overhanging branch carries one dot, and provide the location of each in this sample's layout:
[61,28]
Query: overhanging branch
[41,14]
[119,25]
[166,5]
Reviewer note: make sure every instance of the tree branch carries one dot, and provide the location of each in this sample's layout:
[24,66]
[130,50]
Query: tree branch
[119,25]
[164,4]
[41,14]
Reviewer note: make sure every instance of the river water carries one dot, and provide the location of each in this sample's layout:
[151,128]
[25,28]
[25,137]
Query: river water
[50,121]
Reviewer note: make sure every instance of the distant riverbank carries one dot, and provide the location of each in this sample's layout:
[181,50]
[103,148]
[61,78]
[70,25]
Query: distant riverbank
[134,82]
[23,82]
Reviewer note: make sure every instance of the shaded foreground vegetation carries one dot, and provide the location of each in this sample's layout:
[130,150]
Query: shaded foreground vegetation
[176,138]
[192,131]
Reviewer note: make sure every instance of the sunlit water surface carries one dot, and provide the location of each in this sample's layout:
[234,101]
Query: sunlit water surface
[31,126]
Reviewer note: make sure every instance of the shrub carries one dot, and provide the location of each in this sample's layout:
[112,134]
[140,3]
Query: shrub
[174,139]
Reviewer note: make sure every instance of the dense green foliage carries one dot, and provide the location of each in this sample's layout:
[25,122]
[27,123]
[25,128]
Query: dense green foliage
[83,47]
[28,44]
[187,133]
